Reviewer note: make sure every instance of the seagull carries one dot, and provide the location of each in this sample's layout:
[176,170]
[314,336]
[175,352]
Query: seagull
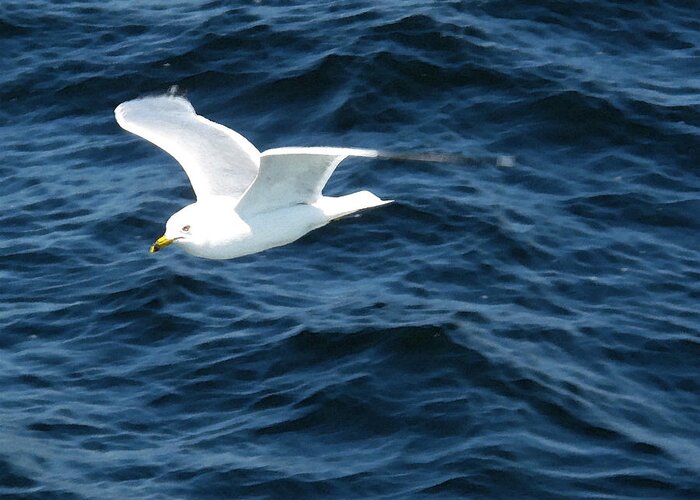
[246,201]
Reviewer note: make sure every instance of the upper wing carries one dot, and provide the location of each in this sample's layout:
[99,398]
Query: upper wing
[289,176]
[217,160]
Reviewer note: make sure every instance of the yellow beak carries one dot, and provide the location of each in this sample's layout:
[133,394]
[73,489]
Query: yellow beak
[161,242]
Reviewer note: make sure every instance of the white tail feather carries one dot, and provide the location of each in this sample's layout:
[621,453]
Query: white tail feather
[335,208]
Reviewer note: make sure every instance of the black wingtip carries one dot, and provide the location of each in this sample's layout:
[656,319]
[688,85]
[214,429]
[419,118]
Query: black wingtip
[503,161]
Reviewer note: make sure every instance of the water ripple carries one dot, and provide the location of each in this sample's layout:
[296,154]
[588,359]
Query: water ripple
[530,330]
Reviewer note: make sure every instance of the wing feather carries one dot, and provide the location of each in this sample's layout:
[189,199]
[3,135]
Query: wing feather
[290,176]
[217,160]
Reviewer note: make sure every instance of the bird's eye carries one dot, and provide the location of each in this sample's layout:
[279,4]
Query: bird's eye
[185,228]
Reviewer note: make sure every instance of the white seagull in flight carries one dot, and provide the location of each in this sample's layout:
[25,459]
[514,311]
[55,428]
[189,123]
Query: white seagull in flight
[247,201]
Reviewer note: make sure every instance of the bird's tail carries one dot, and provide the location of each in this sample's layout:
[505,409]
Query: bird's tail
[337,207]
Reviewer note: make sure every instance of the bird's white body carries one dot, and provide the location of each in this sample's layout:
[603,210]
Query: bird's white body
[230,236]
[247,202]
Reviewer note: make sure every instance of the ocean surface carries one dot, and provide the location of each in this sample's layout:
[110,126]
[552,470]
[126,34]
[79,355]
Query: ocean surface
[498,332]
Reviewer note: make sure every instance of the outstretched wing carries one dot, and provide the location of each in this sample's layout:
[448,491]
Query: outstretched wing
[217,160]
[290,176]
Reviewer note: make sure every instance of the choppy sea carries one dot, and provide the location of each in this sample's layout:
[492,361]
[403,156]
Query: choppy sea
[524,332]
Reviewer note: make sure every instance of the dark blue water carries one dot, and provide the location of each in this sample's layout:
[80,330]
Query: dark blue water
[497,332]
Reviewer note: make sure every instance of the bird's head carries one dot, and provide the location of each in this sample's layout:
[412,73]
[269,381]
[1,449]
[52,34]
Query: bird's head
[189,226]
[202,226]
